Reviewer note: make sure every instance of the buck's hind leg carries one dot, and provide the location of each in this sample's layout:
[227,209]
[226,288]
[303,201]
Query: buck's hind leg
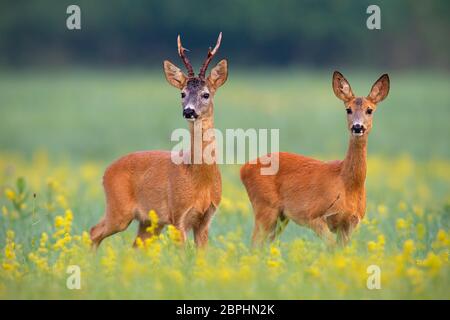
[107,227]
[96,233]
[120,207]
[265,224]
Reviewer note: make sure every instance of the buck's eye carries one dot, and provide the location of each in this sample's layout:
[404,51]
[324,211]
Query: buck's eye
[183,95]
[349,111]
[369,111]
[205,96]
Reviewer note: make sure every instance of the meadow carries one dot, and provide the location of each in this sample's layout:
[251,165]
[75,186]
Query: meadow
[59,130]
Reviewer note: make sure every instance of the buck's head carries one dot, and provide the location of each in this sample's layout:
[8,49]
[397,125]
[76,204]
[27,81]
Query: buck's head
[360,110]
[197,92]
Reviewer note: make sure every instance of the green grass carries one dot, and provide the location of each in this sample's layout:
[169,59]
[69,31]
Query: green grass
[102,115]
[69,125]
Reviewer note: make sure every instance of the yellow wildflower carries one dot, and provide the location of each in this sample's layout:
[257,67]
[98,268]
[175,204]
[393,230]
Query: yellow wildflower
[433,263]
[174,234]
[402,206]
[10,194]
[154,219]
[59,221]
[382,209]
[372,246]
[139,243]
[401,224]
[408,247]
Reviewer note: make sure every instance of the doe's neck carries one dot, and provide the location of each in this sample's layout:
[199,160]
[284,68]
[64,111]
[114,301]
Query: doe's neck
[354,166]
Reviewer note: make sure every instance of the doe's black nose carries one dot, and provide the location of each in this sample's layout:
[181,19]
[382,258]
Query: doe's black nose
[357,128]
[190,114]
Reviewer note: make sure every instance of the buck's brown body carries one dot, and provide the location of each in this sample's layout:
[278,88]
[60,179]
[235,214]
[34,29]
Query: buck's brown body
[328,197]
[185,194]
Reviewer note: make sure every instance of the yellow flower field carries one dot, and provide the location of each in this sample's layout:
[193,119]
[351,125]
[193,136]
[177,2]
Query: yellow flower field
[48,206]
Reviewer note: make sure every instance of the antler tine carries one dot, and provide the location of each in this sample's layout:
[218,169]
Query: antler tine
[209,57]
[181,53]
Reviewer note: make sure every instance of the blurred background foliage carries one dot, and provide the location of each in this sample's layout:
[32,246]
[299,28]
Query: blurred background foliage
[256,33]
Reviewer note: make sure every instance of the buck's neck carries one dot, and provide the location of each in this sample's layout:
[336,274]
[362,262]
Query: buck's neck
[203,147]
[354,166]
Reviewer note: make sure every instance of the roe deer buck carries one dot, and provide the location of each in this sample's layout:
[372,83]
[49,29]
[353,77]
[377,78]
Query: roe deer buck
[328,197]
[185,195]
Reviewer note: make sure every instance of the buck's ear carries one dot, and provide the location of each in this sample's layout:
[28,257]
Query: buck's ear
[341,87]
[219,74]
[174,75]
[380,89]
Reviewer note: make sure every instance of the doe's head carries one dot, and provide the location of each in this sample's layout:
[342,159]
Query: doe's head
[197,92]
[360,109]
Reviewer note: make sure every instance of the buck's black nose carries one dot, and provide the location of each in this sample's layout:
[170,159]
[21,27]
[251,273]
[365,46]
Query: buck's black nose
[190,114]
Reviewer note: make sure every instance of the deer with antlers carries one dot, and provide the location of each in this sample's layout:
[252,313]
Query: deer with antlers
[186,194]
[328,197]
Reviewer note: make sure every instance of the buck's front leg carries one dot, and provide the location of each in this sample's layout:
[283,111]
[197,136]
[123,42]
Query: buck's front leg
[201,230]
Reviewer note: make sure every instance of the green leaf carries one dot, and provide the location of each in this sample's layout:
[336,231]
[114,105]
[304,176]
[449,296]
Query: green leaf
[21,185]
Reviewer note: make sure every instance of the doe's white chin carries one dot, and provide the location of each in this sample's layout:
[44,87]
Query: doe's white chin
[357,134]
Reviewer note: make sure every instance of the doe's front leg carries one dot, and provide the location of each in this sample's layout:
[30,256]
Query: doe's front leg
[201,230]
[320,227]
[345,230]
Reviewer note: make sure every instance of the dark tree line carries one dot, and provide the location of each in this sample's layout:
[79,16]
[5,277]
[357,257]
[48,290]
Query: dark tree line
[256,32]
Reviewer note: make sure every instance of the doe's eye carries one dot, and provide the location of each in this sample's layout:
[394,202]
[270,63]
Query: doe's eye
[369,111]
[183,95]
[349,111]
[205,96]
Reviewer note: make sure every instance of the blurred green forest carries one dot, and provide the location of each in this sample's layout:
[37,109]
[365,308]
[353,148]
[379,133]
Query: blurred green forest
[256,33]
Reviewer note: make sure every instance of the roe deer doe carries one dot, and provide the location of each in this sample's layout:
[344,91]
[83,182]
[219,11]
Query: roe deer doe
[185,195]
[328,197]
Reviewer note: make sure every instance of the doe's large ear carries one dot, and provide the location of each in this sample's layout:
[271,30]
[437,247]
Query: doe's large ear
[219,74]
[380,89]
[174,75]
[341,87]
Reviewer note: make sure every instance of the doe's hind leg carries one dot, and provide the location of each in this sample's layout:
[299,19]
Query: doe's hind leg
[265,224]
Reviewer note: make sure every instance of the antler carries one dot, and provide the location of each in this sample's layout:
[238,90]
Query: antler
[208,59]
[181,52]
